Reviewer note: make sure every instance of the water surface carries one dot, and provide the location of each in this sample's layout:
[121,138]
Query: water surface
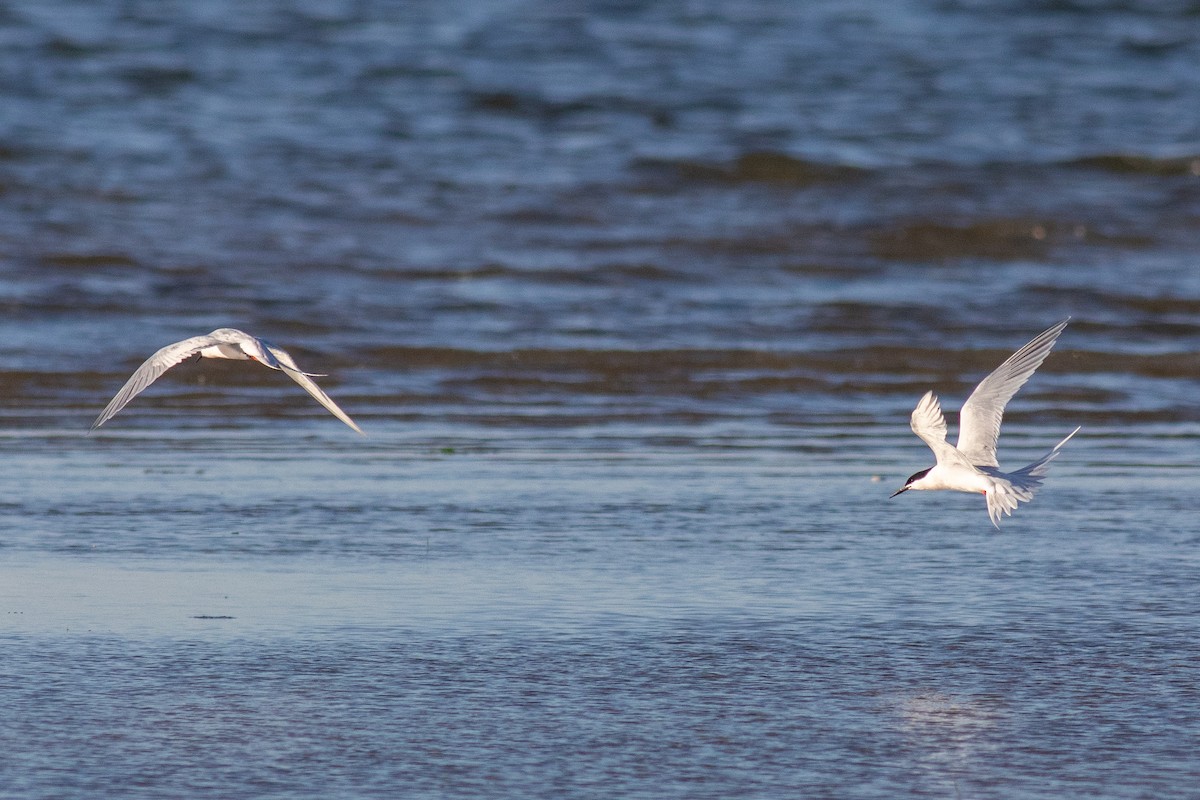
[633,301]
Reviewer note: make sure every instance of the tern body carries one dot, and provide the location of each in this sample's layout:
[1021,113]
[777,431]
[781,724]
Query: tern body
[971,466]
[228,343]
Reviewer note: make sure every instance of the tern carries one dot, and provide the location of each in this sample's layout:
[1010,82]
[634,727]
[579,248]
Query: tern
[971,466]
[221,343]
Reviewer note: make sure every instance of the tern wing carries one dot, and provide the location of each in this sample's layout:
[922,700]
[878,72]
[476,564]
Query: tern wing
[929,423]
[150,370]
[979,420]
[309,385]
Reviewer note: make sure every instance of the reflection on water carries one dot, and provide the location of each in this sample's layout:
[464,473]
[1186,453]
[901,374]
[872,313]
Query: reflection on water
[951,732]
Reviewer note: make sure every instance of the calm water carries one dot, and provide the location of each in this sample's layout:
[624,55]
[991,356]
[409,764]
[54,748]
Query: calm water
[634,300]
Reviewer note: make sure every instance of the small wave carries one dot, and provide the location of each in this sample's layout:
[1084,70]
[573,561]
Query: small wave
[545,110]
[1163,310]
[608,273]
[89,261]
[1128,163]
[887,362]
[753,167]
[993,239]
[156,79]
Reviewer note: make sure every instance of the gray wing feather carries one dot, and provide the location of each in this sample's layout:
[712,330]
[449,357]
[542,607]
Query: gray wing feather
[309,385]
[981,415]
[929,423]
[149,372]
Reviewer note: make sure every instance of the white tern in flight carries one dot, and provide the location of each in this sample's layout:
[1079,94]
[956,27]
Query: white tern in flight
[971,466]
[221,343]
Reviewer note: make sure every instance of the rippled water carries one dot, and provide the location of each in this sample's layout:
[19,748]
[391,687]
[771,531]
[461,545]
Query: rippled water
[633,300]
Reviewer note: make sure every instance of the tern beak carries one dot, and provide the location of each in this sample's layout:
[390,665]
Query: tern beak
[901,490]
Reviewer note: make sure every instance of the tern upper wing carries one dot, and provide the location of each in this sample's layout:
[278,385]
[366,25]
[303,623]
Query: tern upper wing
[150,370]
[929,423]
[310,386]
[979,420]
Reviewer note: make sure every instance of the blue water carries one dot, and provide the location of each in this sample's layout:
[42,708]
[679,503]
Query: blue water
[633,301]
[253,616]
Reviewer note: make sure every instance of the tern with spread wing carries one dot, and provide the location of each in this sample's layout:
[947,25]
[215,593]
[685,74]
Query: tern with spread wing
[221,343]
[971,466]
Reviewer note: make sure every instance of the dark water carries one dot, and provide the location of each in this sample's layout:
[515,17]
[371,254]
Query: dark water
[634,300]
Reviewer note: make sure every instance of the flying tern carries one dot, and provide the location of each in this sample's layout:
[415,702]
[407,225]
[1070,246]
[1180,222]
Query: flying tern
[221,343]
[971,466]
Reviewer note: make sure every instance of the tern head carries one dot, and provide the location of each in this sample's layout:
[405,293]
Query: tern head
[913,482]
[254,349]
[258,350]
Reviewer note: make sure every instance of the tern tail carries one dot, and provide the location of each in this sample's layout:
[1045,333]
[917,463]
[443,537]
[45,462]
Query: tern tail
[1011,488]
[1031,476]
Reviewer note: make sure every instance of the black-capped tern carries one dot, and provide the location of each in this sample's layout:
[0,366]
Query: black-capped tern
[221,343]
[971,466]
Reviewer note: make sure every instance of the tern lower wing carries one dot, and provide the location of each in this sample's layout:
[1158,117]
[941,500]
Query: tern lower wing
[294,372]
[927,420]
[149,372]
[929,424]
